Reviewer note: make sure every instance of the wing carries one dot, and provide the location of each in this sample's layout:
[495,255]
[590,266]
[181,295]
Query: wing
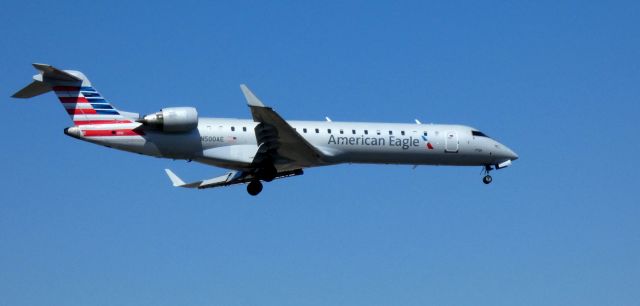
[278,142]
[231,178]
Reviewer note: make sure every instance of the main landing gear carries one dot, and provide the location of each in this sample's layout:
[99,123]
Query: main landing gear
[267,175]
[254,188]
[487,179]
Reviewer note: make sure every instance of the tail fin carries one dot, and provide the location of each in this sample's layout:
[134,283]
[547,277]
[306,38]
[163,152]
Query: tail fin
[82,102]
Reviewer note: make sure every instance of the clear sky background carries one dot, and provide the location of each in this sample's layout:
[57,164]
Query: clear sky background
[557,81]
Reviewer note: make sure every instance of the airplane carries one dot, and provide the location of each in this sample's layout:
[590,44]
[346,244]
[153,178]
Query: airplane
[263,148]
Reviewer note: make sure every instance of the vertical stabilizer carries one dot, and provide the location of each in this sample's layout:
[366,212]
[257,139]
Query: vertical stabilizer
[83,103]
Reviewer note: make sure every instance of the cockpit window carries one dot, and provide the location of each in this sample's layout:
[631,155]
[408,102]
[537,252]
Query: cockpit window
[479,134]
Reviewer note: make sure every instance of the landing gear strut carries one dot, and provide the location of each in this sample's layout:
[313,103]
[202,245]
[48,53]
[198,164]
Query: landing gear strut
[254,188]
[268,173]
[487,179]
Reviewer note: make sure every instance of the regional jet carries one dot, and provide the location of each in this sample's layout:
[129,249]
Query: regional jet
[263,148]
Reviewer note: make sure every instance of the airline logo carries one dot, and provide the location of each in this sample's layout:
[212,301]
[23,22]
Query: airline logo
[391,141]
[429,145]
[85,105]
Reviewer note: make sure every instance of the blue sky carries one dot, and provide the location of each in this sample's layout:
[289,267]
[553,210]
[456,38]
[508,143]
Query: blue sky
[557,81]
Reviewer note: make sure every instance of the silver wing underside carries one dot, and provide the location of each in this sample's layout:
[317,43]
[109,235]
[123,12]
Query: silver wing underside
[230,178]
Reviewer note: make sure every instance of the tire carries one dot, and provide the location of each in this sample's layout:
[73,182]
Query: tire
[487,179]
[254,188]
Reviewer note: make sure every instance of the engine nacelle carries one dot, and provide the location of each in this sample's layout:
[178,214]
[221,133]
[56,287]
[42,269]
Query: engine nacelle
[173,119]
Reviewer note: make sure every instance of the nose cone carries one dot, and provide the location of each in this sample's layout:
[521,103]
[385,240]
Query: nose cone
[510,154]
[503,153]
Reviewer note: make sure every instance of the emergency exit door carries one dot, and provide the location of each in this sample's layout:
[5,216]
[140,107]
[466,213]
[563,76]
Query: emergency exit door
[451,142]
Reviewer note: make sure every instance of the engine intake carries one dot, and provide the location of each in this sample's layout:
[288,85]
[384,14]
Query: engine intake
[173,119]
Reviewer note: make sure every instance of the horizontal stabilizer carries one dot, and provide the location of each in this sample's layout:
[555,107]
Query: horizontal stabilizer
[36,88]
[49,77]
[53,73]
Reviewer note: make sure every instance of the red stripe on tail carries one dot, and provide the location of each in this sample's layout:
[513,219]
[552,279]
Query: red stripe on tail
[85,122]
[81,111]
[73,99]
[66,88]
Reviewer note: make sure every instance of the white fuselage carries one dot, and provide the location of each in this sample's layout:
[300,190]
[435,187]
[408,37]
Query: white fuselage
[264,148]
[231,143]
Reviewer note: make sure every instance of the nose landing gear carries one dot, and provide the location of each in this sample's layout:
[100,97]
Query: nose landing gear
[487,179]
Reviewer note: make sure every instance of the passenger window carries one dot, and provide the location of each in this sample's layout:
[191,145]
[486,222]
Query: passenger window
[366,132]
[244,128]
[317,131]
[328,131]
[424,133]
[390,132]
[378,132]
[341,131]
[233,128]
[402,133]
[304,130]
[353,132]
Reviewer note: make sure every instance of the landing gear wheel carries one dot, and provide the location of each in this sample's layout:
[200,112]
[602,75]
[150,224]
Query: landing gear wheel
[487,179]
[254,188]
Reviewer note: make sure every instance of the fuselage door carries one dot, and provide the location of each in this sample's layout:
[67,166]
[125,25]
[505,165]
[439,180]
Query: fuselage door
[451,142]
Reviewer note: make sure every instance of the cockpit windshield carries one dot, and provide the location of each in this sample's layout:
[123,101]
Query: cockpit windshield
[479,134]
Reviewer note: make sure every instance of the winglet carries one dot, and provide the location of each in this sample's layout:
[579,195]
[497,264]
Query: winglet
[175,180]
[252,100]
